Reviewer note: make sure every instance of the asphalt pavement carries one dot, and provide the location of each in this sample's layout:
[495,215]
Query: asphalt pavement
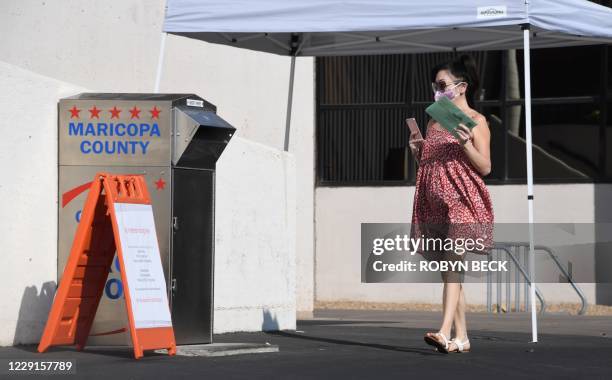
[370,345]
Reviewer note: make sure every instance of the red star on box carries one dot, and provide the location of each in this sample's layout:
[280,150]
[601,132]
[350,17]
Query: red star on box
[95,112]
[74,112]
[135,113]
[160,184]
[115,112]
[155,113]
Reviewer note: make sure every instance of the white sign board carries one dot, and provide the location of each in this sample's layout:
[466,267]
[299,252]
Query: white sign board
[142,265]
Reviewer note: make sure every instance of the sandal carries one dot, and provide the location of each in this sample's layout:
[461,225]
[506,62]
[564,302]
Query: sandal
[441,345]
[460,345]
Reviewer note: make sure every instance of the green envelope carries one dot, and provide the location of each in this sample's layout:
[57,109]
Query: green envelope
[449,115]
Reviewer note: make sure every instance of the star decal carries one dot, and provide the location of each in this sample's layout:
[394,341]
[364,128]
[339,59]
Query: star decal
[155,113]
[135,113]
[160,184]
[115,112]
[95,112]
[74,112]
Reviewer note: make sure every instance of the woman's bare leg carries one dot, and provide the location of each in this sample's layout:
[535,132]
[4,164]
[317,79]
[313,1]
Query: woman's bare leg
[460,322]
[451,296]
[450,300]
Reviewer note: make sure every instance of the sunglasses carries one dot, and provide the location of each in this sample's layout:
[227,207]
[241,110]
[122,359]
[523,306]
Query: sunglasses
[442,85]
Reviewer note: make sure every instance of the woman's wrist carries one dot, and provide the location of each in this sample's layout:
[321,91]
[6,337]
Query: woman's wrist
[467,145]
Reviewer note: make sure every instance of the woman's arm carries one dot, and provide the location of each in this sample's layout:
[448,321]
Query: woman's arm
[416,145]
[476,144]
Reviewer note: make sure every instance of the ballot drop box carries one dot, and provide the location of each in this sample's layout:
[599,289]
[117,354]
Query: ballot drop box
[174,141]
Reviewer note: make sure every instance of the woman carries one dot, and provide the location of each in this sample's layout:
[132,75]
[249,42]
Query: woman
[450,191]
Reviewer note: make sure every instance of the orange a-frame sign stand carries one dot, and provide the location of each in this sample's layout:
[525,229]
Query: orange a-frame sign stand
[97,238]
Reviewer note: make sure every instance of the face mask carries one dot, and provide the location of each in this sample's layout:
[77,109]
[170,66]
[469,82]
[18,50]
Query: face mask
[448,92]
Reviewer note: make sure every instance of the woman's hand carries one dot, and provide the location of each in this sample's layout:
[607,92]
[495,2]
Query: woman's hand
[415,143]
[476,144]
[465,134]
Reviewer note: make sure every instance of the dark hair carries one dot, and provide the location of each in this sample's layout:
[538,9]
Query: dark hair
[463,68]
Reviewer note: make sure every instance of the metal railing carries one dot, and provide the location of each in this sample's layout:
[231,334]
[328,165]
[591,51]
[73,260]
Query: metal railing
[518,254]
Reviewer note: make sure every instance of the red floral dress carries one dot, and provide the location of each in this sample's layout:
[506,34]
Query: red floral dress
[451,199]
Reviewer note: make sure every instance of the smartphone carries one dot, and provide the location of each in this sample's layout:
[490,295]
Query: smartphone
[414,128]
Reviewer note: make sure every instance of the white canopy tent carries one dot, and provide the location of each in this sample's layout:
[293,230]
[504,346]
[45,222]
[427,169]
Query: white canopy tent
[362,27]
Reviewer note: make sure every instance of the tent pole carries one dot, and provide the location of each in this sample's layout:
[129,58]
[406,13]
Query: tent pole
[528,143]
[289,103]
[160,62]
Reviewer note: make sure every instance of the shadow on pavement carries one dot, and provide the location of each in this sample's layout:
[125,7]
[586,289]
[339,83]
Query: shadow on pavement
[420,351]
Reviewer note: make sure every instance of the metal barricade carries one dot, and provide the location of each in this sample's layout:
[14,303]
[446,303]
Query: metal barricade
[517,255]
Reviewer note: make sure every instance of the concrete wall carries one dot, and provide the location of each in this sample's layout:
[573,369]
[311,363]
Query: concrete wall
[52,49]
[113,46]
[254,233]
[340,210]
[28,194]
[254,239]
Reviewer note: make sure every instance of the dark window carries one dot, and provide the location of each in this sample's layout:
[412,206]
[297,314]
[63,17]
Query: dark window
[362,102]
